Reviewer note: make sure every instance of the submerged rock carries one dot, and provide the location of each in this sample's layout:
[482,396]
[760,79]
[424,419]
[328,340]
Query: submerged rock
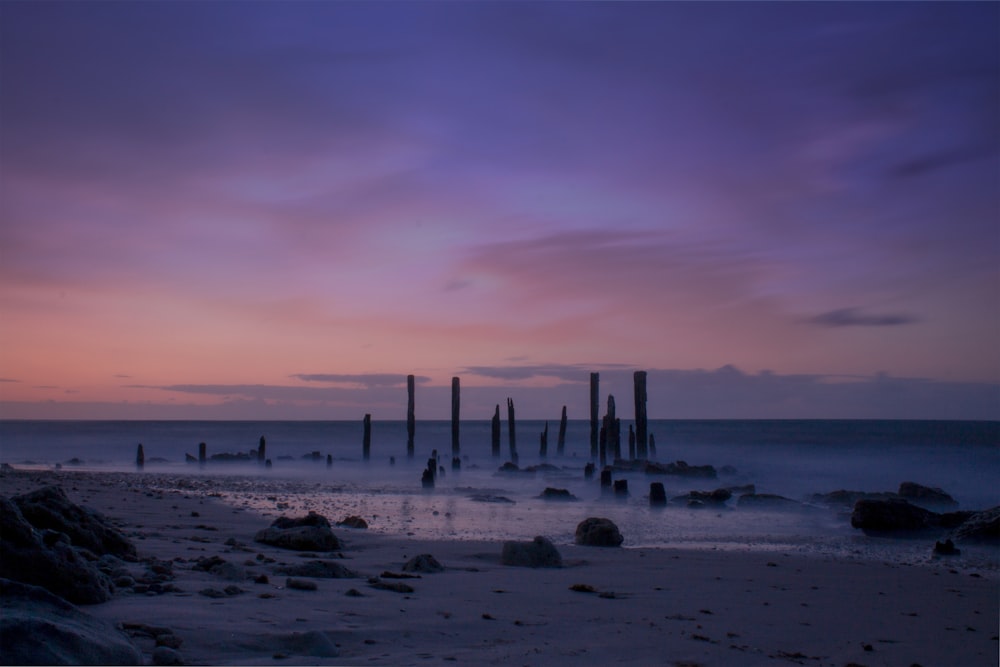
[925,495]
[766,501]
[551,493]
[308,533]
[679,468]
[319,569]
[889,516]
[598,532]
[39,628]
[540,552]
[981,527]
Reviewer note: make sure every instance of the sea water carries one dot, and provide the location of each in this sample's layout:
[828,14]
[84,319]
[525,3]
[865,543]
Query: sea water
[791,458]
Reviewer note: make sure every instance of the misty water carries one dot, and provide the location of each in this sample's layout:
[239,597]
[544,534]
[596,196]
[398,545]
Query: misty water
[793,458]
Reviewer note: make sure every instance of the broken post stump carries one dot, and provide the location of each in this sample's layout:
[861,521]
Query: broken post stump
[588,470]
[511,433]
[657,494]
[631,443]
[261,451]
[140,457]
[621,487]
[202,453]
[495,433]
[543,449]
[605,480]
[329,460]
[561,442]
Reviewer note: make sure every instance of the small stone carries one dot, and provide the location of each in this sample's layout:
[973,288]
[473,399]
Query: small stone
[300,584]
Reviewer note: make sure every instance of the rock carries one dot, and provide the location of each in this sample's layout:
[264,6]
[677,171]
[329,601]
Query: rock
[164,655]
[308,533]
[300,584]
[395,586]
[48,507]
[598,532]
[220,567]
[946,548]
[318,569]
[314,643]
[551,493]
[353,522]
[845,498]
[766,501]
[925,496]
[47,559]
[39,628]
[679,468]
[539,552]
[888,516]
[981,527]
[423,563]
[717,497]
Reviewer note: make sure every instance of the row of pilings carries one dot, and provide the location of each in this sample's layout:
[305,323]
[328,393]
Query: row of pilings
[605,432]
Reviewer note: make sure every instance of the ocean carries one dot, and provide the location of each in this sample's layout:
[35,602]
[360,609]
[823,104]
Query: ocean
[790,458]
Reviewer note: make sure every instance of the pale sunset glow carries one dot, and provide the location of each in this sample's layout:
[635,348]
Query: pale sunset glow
[279,210]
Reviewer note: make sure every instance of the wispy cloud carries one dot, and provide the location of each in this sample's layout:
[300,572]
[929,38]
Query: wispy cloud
[855,317]
[363,379]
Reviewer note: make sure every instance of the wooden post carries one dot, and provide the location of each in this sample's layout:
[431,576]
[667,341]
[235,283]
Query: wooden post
[261,447]
[411,421]
[639,384]
[605,480]
[631,443]
[366,442]
[495,449]
[511,434]
[594,410]
[618,438]
[329,460]
[652,447]
[202,453]
[604,442]
[140,457]
[454,417]
[657,494]
[543,450]
[613,441]
[561,443]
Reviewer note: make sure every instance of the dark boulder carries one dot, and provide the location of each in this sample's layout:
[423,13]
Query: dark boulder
[680,469]
[981,527]
[47,558]
[539,552]
[946,548]
[551,493]
[308,533]
[318,569]
[892,516]
[425,563]
[925,496]
[717,497]
[353,522]
[845,498]
[39,628]
[598,532]
[766,501]
[49,507]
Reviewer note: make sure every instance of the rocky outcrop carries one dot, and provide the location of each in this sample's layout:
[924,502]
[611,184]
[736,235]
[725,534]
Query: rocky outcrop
[552,493]
[50,508]
[892,516]
[540,552]
[39,628]
[680,469]
[845,498]
[981,527]
[925,496]
[308,533]
[704,498]
[598,532]
[765,501]
[46,558]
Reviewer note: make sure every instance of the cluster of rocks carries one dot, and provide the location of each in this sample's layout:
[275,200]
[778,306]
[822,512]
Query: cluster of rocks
[925,496]
[309,533]
[540,552]
[898,516]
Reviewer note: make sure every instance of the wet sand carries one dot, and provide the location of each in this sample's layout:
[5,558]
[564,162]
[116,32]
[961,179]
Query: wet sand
[638,606]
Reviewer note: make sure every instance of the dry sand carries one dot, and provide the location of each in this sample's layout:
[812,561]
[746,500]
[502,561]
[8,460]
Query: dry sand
[648,606]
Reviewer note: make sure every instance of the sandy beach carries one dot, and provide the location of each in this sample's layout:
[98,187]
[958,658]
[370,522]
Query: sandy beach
[638,606]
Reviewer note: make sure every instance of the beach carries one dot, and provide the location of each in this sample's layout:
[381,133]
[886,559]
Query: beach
[605,605]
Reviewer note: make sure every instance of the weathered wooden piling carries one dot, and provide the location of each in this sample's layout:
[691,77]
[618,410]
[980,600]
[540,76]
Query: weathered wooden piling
[140,457]
[652,447]
[329,460]
[411,419]
[561,442]
[543,448]
[455,400]
[605,479]
[594,414]
[588,470]
[614,441]
[511,432]
[603,441]
[366,440]
[202,453]
[427,479]
[631,443]
[495,425]
[621,488]
[639,384]
[261,451]
[657,494]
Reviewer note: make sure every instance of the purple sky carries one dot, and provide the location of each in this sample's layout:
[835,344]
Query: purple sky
[224,210]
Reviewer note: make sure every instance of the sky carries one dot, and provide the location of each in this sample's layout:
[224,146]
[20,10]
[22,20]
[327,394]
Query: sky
[223,210]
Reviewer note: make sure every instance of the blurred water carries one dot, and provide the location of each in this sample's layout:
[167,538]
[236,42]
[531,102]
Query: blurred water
[790,458]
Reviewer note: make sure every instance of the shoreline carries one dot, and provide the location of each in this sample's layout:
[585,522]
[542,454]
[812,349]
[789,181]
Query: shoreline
[659,605]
